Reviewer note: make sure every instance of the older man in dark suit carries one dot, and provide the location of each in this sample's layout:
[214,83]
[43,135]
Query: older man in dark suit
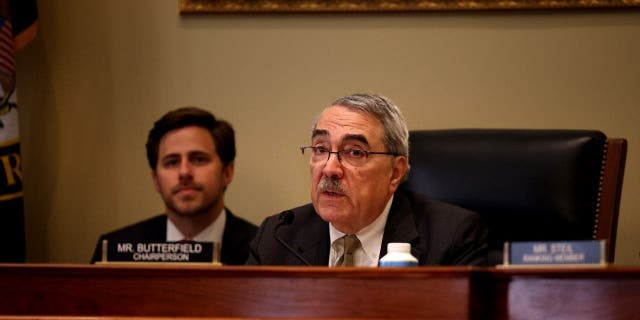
[358,157]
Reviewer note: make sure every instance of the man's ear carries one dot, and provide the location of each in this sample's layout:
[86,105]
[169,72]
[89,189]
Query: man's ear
[154,176]
[400,167]
[227,173]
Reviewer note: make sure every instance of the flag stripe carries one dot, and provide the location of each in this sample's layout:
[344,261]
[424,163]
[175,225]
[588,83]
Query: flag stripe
[7,62]
[18,25]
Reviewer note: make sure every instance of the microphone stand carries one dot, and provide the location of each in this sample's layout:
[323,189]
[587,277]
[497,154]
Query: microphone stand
[286,218]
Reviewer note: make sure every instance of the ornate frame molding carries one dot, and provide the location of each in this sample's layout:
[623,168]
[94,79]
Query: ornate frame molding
[299,6]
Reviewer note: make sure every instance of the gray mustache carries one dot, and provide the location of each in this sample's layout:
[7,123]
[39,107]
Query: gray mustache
[330,185]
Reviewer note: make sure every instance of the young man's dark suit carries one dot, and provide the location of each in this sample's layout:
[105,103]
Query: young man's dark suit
[235,240]
[439,233]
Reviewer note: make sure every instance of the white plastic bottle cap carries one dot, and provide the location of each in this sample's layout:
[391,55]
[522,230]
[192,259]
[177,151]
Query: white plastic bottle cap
[399,247]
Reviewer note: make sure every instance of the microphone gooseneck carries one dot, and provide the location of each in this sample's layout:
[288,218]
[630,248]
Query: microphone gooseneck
[286,218]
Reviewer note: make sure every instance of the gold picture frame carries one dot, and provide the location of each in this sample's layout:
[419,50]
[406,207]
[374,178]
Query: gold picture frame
[301,6]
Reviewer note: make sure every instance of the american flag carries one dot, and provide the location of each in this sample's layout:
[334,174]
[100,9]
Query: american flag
[18,26]
[7,48]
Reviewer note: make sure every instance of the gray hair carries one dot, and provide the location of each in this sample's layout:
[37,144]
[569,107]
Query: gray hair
[396,134]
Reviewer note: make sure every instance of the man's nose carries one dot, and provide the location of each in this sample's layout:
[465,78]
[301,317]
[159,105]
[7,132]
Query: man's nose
[333,166]
[185,170]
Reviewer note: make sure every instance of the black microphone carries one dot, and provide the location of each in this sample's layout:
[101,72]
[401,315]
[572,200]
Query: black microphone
[286,218]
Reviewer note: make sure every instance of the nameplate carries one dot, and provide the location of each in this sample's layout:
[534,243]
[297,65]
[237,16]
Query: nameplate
[164,252]
[555,253]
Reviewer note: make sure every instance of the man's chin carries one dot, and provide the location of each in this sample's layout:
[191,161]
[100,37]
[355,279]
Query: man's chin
[187,211]
[331,213]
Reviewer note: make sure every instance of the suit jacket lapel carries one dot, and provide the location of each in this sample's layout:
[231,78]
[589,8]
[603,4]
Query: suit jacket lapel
[317,252]
[156,230]
[314,243]
[400,226]
[231,237]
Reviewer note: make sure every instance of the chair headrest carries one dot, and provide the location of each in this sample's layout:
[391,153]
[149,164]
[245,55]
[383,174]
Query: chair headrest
[526,184]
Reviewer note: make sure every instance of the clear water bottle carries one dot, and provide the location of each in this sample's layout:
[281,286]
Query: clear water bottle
[398,255]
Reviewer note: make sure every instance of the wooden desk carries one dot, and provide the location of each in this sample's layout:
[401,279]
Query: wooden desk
[605,293]
[77,291]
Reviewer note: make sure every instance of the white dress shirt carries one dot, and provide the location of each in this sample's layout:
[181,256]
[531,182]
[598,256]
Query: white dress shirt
[212,233]
[370,236]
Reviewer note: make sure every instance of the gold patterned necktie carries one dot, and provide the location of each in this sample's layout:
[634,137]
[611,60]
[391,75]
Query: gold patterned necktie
[351,243]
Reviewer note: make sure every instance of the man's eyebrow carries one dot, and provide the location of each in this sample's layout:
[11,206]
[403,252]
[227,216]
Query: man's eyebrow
[198,153]
[169,156]
[348,137]
[356,137]
[319,132]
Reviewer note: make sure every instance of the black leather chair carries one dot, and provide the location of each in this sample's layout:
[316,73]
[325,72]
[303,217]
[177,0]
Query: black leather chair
[528,185]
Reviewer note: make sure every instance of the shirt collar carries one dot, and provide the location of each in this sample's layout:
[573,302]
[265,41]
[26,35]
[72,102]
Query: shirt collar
[212,233]
[370,237]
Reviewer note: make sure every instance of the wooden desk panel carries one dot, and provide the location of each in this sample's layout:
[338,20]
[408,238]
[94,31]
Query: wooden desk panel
[105,292]
[243,292]
[600,293]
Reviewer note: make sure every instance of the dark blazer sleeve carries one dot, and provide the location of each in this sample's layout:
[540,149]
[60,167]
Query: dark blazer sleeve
[259,242]
[235,240]
[470,245]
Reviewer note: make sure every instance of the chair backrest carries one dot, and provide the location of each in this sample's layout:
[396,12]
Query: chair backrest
[528,185]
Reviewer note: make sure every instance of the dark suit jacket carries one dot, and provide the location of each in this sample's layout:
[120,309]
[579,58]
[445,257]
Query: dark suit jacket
[439,233]
[236,237]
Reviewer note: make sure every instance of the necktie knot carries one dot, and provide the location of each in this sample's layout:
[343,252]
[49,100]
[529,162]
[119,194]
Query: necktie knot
[351,244]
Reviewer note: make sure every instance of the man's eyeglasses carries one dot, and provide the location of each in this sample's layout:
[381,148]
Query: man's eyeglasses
[354,156]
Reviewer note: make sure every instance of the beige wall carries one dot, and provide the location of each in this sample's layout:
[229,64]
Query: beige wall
[100,72]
